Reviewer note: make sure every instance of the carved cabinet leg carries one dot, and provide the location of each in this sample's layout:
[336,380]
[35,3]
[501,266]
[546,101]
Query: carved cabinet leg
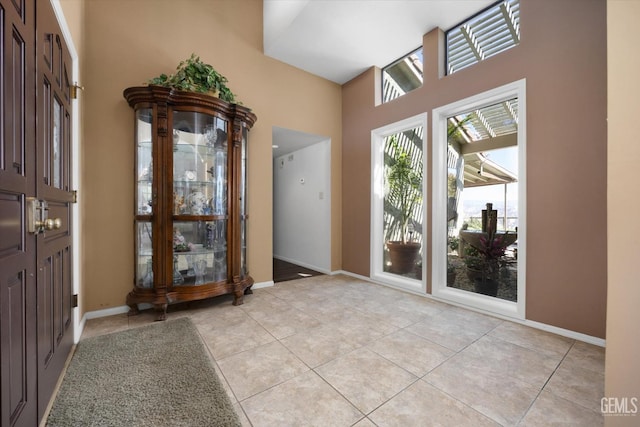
[161,310]
[133,310]
[238,297]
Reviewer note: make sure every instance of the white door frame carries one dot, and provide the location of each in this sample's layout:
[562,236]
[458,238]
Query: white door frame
[75,162]
[377,272]
[439,116]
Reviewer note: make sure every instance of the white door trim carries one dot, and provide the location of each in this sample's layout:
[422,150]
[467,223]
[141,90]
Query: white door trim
[439,212]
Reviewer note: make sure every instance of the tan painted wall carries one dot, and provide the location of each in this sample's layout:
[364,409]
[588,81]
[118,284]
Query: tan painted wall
[622,372]
[126,42]
[562,55]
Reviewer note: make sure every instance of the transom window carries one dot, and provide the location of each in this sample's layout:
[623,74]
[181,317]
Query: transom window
[485,34]
[402,76]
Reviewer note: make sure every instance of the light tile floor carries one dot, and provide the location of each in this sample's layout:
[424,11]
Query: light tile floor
[337,351]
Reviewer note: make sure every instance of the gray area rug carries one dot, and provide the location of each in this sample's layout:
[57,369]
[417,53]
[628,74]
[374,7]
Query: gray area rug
[156,375]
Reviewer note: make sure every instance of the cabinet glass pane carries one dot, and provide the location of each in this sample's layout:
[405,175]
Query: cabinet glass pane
[199,164]
[144,255]
[199,252]
[144,161]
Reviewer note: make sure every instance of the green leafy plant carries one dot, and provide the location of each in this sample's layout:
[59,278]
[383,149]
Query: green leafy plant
[405,186]
[193,75]
[489,256]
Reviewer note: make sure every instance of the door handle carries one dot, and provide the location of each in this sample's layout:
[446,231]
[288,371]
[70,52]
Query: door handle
[50,223]
[38,220]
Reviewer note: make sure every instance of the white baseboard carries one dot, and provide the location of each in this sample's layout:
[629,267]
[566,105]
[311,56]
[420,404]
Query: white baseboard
[261,285]
[106,312]
[531,323]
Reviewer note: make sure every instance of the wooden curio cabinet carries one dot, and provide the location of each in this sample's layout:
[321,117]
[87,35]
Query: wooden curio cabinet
[190,215]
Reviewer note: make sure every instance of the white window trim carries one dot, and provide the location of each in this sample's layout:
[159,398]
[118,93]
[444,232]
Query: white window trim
[439,116]
[377,205]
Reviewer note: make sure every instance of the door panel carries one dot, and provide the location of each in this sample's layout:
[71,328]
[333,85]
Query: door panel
[54,285]
[18,362]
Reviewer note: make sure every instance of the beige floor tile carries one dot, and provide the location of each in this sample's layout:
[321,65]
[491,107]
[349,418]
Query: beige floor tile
[479,320]
[283,322]
[395,315]
[244,421]
[582,386]
[245,335]
[476,370]
[306,400]
[365,422]
[411,352]
[363,328]
[319,345]
[500,397]
[550,410]
[365,378]
[533,339]
[420,305]
[105,325]
[497,357]
[586,356]
[325,311]
[260,368]
[450,330]
[218,318]
[421,404]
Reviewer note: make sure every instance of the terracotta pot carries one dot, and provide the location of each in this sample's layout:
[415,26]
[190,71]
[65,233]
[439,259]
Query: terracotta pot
[451,278]
[403,256]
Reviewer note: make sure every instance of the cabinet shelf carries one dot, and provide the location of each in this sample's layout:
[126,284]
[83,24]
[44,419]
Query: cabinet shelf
[200,204]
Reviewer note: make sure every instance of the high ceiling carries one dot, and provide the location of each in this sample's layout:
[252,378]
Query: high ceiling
[339,39]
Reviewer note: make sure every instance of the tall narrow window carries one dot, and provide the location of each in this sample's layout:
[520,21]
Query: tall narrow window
[398,244]
[402,76]
[479,191]
[485,34]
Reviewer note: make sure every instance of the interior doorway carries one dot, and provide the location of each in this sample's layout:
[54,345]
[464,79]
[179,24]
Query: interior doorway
[301,200]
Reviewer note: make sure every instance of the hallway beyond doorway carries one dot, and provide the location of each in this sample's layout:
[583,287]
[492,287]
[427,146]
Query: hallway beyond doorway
[283,271]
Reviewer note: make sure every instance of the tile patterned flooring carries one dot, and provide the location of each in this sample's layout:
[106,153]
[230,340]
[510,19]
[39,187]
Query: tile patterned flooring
[338,351]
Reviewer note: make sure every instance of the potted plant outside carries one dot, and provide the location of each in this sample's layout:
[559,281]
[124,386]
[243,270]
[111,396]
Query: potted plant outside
[405,193]
[193,75]
[484,263]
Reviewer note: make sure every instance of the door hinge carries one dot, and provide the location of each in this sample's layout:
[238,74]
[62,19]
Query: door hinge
[74,90]
[75,196]
[74,301]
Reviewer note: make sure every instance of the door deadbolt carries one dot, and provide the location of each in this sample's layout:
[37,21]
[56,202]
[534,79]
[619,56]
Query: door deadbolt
[38,217]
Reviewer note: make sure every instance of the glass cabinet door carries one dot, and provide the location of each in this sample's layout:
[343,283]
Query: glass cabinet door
[243,203]
[200,153]
[144,198]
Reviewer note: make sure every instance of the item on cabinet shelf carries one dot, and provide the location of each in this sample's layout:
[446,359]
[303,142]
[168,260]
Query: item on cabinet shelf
[145,173]
[200,268]
[210,135]
[177,277]
[190,271]
[147,280]
[178,204]
[196,203]
[180,244]
[189,175]
[145,209]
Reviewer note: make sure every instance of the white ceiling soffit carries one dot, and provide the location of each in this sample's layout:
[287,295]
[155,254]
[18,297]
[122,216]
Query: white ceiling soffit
[286,141]
[339,39]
